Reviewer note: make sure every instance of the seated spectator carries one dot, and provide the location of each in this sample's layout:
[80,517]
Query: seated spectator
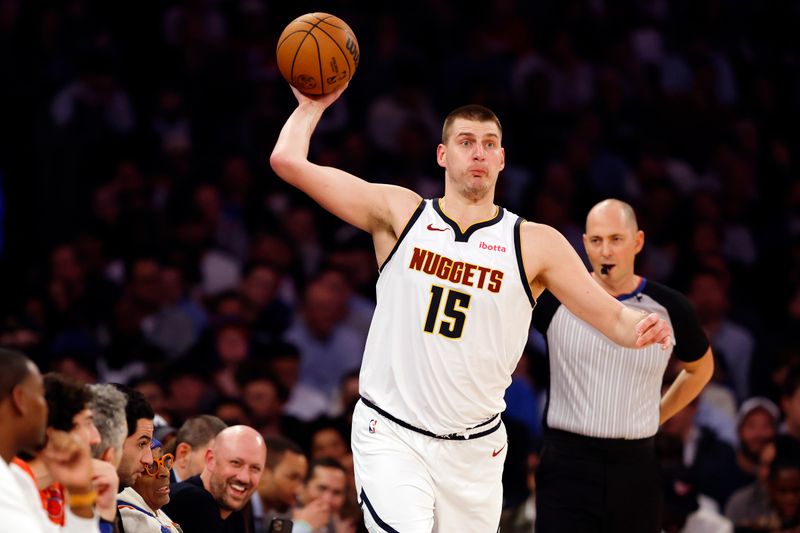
[322,498]
[232,411]
[140,505]
[782,512]
[304,402]
[282,479]
[757,426]
[192,441]
[136,454]
[329,440]
[108,406]
[212,501]
[749,503]
[23,417]
[68,409]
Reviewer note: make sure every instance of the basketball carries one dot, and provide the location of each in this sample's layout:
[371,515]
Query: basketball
[317,53]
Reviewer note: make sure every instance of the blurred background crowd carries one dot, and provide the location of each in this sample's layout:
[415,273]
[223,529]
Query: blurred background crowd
[144,239]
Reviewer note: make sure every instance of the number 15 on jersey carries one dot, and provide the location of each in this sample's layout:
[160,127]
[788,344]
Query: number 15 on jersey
[451,319]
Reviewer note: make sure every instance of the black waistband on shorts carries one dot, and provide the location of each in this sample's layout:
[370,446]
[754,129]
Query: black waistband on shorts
[464,435]
[598,448]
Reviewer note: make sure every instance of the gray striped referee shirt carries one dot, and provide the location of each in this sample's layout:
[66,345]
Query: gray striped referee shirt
[601,389]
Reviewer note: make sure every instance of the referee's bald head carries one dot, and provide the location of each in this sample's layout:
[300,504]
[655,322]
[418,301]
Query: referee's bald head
[610,205]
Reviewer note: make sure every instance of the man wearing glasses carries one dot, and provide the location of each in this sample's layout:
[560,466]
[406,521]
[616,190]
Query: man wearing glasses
[140,505]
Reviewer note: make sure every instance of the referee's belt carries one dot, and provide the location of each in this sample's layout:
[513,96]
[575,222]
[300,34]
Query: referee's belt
[463,435]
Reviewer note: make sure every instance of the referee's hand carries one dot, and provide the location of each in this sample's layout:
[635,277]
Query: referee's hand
[653,329]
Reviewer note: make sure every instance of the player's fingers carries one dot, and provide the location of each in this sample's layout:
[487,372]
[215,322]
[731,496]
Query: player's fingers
[653,329]
[645,324]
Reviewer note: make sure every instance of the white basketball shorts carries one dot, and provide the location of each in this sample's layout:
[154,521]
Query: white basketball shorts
[412,483]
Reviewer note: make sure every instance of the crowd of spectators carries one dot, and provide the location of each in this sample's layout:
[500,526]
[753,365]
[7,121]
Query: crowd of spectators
[144,239]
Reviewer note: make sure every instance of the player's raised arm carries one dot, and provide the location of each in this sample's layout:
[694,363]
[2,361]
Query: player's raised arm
[374,208]
[555,265]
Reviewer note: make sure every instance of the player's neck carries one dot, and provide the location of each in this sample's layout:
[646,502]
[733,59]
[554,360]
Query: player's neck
[467,213]
[620,287]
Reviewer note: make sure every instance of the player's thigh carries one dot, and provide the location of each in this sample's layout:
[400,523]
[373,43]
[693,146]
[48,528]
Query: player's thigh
[393,482]
[469,483]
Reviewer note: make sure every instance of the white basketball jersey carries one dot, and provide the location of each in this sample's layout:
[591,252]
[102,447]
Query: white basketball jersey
[452,318]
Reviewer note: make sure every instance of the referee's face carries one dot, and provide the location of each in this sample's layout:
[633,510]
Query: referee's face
[611,243]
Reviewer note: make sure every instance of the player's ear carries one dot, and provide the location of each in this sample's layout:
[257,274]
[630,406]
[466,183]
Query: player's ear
[441,156]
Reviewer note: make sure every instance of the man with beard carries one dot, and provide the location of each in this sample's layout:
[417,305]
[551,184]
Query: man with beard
[136,454]
[212,502]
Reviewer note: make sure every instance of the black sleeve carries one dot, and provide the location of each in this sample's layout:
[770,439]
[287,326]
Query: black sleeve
[691,342]
[546,307]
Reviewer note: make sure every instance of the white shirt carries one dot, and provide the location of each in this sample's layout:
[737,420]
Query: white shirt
[21,507]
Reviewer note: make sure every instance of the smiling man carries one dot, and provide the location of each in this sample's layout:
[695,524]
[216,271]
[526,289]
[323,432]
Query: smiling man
[213,501]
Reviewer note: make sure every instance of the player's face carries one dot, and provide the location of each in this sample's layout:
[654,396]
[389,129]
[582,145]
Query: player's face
[472,158]
[611,244]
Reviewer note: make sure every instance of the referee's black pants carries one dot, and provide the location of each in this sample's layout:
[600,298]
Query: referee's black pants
[591,485]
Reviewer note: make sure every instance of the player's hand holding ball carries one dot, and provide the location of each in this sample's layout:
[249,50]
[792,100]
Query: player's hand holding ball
[318,54]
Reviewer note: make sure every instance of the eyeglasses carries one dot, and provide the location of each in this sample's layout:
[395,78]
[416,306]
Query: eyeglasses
[165,461]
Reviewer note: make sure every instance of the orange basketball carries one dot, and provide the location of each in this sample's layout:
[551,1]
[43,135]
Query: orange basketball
[317,53]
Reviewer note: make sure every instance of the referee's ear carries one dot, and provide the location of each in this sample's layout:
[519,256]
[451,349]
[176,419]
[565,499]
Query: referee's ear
[639,241]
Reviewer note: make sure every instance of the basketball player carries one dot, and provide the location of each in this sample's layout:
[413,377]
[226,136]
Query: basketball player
[458,279]
[598,470]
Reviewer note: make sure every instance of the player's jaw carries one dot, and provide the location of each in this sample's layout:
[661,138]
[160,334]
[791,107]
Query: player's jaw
[475,183]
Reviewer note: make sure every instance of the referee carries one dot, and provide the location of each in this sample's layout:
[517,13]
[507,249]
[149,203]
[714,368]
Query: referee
[598,469]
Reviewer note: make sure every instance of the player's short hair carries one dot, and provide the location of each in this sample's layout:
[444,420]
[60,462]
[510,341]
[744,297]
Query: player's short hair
[108,406]
[277,447]
[473,112]
[66,397]
[199,430]
[13,371]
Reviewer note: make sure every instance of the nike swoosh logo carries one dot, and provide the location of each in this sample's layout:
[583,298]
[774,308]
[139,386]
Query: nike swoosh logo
[495,453]
[431,228]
